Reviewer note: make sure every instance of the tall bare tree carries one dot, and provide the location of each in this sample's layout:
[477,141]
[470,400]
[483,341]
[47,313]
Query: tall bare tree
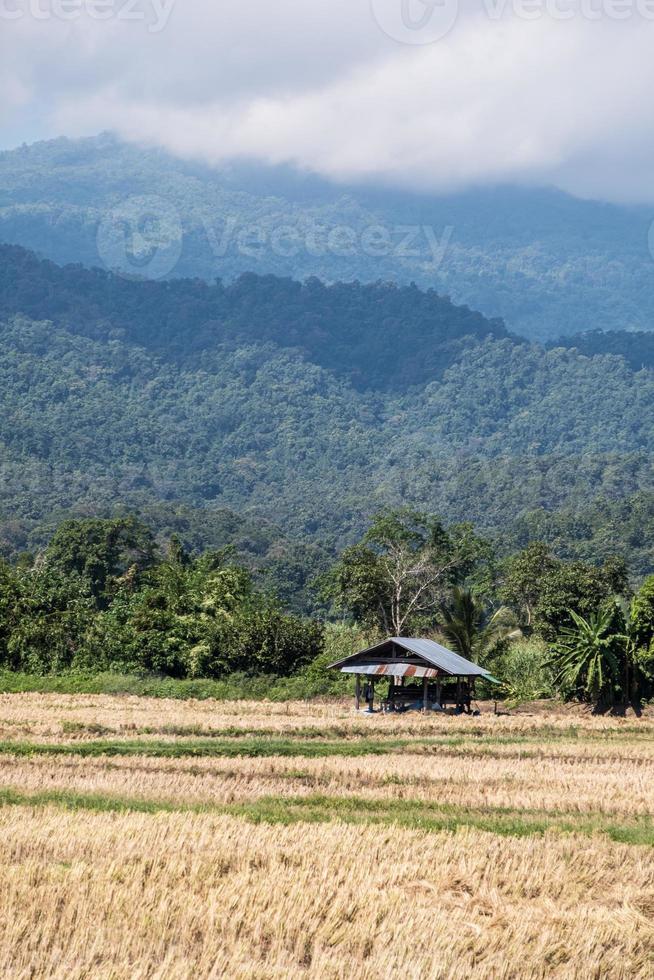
[396,578]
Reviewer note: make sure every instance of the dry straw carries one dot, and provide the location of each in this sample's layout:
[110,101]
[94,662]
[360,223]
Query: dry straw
[193,895]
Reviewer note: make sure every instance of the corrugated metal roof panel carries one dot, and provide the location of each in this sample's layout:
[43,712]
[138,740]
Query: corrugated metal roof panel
[391,670]
[439,656]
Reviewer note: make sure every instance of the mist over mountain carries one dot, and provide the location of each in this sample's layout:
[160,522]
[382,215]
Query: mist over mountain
[549,264]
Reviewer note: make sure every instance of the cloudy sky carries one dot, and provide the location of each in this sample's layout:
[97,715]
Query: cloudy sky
[421,93]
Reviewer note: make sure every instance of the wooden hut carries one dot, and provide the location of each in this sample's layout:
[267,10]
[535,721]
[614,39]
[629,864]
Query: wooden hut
[445,676]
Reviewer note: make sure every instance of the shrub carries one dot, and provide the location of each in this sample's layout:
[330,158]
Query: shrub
[524,672]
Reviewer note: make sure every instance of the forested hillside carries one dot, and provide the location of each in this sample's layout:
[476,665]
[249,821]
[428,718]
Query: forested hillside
[637,348]
[375,336]
[549,264]
[192,404]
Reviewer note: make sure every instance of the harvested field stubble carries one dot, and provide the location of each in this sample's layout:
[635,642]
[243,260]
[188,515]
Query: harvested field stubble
[586,787]
[191,895]
[296,865]
[57,714]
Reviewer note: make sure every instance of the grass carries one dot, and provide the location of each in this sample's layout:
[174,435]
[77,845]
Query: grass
[128,684]
[236,743]
[123,894]
[409,814]
[235,687]
[206,748]
[543,733]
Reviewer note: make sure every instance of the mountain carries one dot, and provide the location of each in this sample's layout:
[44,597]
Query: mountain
[636,348]
[230,412]
[375,336]
[548,264]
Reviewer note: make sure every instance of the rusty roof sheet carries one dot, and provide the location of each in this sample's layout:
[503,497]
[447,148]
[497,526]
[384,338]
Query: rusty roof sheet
[391,670]
[439,656]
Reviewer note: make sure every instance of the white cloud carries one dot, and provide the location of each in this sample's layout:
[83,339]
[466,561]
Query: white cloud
[548,100]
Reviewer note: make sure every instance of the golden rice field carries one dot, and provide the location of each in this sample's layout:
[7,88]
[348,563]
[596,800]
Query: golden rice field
[146,838]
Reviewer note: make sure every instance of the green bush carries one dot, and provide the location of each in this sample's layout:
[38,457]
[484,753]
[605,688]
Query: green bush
[524,672]
[314,680]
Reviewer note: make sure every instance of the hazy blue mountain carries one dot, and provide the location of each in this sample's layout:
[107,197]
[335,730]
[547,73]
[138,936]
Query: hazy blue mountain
[547,263]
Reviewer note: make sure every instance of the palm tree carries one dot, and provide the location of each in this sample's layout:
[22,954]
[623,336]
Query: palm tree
[466,625]
[590,655]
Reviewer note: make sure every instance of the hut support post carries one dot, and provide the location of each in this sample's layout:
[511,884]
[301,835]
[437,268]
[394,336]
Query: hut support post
[425,694]
[371,703]
[439,693]
[357,691]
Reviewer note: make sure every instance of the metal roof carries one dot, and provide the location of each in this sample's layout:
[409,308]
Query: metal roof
[398,669]
[438,656]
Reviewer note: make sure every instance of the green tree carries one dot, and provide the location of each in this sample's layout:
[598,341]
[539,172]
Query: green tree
[524,579]
[8,603]
[471,629]
[544,590]
[642,616]
[394,580]
[46,616]
[200,618]
[100,551]
[642,639]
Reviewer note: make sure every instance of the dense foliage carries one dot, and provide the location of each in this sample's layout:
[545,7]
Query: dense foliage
[562,628]
[99,599]
[186,403]
[591,656]
[103,598]
[543,589]
[395,579]
[374,336]
[190,467]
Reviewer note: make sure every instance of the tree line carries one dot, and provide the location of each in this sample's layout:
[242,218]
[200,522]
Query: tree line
[100,598]
[105,597]
[543,624]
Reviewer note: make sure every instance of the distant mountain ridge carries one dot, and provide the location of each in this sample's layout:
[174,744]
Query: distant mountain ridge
[636,347]
[378,335]
[548,264]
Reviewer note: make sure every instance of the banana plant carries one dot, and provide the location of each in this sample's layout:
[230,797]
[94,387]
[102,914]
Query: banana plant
[591,655]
